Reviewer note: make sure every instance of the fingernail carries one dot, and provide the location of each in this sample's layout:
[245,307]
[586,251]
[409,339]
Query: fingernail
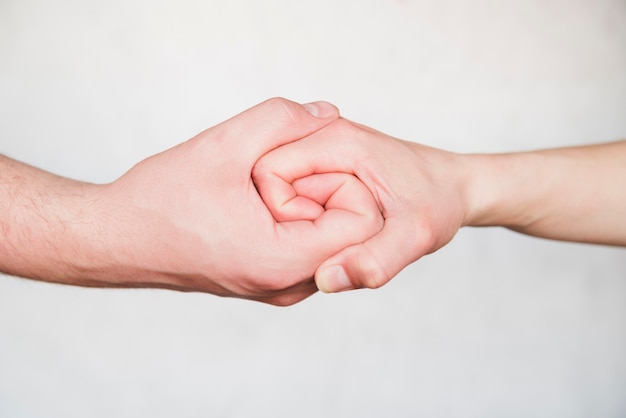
[333,279]
[321,110]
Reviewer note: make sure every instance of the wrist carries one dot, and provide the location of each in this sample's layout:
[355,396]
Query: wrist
[102,240]
[501,189]
[480,197]
[457,181]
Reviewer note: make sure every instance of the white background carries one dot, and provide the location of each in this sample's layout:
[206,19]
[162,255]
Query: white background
[494,325]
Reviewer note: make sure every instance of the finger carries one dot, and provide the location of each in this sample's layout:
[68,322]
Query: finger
[331,149]
[322,188]
[273,123]
[350,215]
[338,191]
[285,202]
[308,198]
[374,262]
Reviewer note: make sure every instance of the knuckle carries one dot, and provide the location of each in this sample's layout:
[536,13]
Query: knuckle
[373,278]
[375,220]
[260,170]
[283,109]
[354,139]
[426,238]
[371,275]
[346,128]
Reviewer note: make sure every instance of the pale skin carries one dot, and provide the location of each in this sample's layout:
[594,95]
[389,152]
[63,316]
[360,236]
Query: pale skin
[188,219]
[262,203]
[426,195]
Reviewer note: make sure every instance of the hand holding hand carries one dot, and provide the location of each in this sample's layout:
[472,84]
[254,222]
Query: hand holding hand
[419,191]
[191,218]
[426,195]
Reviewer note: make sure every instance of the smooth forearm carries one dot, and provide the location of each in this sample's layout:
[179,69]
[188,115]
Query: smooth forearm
[574,194]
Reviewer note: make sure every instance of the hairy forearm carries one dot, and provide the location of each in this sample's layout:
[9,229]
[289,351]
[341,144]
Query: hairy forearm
[48,224]
[61,230]
[574,194]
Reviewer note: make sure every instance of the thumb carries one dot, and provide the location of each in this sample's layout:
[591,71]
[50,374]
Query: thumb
[372,263]
[273,123]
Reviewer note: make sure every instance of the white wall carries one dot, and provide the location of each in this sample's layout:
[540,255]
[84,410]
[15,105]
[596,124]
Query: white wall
[494,325]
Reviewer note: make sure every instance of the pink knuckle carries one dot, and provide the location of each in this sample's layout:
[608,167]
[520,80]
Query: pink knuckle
[354,139]
[375,221]
[284,110]
[260,167]
[372,277]
[425,239]
[345,128]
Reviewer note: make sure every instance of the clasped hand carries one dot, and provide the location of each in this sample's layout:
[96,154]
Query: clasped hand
[191,218]
[285,199]
[282,194]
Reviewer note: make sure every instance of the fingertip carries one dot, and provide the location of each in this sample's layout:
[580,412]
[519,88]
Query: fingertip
[274,123]
[354,267]
[333,279]
[322,110]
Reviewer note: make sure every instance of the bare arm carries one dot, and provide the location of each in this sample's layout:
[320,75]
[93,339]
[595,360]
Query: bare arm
[189,218]
[48,224]
[574,194]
